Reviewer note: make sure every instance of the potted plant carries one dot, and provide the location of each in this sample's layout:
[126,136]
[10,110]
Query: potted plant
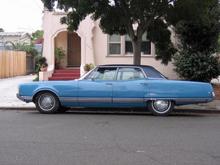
[41,64]
[88,67]
[59,55]
[44,67]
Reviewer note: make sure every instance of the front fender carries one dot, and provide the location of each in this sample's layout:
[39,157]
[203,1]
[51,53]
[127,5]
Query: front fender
[50,89]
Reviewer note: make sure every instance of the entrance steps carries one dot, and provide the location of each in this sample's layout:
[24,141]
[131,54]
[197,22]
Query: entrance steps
[65,74]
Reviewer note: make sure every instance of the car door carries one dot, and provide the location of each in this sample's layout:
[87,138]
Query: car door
[96,90]
[130,88]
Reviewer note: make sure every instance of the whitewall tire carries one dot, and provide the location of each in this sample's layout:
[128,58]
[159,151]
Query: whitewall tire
[47,103]
[160,107]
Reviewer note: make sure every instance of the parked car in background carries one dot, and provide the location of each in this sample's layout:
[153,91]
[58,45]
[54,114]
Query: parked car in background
[125,86]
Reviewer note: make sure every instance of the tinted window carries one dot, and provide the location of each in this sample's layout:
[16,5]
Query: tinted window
[130,74]
[152,73]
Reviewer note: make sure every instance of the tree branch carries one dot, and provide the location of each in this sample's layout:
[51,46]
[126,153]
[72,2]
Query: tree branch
[127,16]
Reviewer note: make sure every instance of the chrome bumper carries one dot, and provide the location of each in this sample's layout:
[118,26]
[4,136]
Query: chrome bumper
[26,99]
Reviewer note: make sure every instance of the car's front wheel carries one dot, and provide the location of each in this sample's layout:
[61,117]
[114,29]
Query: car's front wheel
[47,103]
[160,107]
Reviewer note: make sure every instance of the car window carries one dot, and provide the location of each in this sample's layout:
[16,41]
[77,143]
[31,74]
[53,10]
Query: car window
[152,73]
[104,74]
[130,74]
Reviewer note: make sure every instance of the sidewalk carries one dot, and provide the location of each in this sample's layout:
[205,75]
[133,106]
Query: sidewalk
[9,88]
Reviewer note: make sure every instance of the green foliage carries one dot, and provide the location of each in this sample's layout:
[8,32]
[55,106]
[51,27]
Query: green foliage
[197,66]
[119,16]
[59,54]
[218,50]
[28,48]
[40,62]
[37,34]
[159,34]
[197,26]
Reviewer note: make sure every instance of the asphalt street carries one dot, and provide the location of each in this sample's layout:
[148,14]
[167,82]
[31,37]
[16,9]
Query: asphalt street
[30,138]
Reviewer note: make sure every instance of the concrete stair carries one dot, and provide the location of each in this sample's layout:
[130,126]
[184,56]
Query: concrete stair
[65,74]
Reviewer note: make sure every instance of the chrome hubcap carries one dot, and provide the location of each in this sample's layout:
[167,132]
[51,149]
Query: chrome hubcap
[161,105]
[46,102]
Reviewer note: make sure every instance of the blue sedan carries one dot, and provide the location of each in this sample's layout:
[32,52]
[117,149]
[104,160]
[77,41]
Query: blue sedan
[125,86]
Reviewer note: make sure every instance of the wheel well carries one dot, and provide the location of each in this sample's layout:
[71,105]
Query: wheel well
[44,91]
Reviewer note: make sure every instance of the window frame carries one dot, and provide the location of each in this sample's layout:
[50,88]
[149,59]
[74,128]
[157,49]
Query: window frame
[90,75]
[134,68]
[86,77]
[114,42]
[123,48]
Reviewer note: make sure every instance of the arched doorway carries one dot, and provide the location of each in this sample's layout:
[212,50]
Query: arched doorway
[70,42]
[73,50]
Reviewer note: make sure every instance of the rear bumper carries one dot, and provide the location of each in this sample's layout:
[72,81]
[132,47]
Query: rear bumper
[26,99]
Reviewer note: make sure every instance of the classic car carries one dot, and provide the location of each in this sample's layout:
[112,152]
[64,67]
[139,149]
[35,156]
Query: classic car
[119,86]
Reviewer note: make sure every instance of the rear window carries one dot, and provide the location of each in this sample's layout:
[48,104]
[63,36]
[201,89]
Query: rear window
[153,73]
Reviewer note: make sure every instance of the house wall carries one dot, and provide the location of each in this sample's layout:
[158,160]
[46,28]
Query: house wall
[94,45]
[102,56]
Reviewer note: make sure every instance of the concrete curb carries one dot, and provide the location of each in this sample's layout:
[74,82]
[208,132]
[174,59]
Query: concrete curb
[176,110]
[17,108]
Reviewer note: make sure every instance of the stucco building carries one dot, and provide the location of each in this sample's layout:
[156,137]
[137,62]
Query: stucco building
[90,45]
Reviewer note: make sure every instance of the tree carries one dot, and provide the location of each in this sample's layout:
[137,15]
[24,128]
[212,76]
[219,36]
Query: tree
[132,17]
[1,30]
[37,34]
[197,25]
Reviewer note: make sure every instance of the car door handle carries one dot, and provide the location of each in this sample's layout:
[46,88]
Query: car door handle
[108,83]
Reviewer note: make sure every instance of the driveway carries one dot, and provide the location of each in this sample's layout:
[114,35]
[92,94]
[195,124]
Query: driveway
[8,90]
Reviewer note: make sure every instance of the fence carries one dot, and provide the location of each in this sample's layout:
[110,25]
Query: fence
[12,63]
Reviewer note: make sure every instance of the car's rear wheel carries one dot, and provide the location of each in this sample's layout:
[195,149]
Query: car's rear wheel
[47,103]
[160,107]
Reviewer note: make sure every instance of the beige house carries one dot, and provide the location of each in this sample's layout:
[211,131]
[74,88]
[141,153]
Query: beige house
[90,45]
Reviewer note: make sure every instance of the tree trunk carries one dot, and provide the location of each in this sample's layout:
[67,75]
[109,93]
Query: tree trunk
[137,52]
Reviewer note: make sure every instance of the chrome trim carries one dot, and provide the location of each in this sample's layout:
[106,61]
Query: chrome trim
[102,100]
[68,99]
[46,102]
[134,100]
[128,100]
[117,69]
[86,99]
[183,100]
[26,99]
[161,106]
[213,94]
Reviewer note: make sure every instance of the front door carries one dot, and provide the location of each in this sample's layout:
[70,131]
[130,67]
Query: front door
[97,91]
[73,50]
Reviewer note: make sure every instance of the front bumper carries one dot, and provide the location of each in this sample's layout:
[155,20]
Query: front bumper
[26,99]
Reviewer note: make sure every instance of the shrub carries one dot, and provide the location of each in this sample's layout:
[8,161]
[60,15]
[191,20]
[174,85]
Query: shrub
[197,66]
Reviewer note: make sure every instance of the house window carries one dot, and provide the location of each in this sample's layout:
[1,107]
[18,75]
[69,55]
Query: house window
[145,45]
[114,44]
[122,45]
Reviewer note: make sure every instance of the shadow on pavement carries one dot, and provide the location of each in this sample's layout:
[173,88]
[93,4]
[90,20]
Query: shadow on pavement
[128,112]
